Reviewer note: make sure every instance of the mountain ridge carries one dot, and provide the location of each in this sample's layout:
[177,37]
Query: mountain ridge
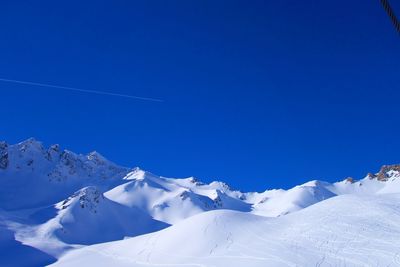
[55,200]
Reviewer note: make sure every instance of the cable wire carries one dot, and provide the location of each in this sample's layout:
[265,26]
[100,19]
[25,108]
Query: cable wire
[392,16]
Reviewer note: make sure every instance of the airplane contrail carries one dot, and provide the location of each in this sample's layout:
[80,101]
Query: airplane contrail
[81,90]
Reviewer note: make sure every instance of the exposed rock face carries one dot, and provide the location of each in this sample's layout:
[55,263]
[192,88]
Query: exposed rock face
[53,152]
[387,171]
[88,197]
[349,180]
[3,155]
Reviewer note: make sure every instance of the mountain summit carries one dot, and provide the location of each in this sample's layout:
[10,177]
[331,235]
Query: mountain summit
[53,201]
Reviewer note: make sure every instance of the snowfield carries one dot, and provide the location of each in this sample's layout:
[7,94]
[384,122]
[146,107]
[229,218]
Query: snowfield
[347,230]
[64,209]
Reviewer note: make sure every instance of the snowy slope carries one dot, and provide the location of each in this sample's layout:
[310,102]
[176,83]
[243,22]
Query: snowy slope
[347,230]
[53,201]
[14,253]
[293,199]
[87,217]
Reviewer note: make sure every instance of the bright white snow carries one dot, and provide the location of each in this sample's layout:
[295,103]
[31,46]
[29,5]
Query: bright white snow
[348,230]
[58,205]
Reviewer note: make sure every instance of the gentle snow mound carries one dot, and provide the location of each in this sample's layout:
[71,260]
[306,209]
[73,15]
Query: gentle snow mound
[348,230]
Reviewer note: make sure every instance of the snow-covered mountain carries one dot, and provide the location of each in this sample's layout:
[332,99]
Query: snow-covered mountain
[32,175]
[55,202]
[87,217]
[172,200]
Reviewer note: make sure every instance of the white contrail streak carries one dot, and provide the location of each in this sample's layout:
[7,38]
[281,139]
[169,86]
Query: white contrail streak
[81,90]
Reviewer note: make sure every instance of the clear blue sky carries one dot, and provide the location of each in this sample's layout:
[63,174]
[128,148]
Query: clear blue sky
[260,94]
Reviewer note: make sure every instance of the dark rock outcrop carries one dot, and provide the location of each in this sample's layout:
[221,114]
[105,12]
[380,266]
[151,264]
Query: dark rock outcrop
[383,174]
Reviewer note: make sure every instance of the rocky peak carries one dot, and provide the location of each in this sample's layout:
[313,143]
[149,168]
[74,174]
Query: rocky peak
[87,198]
[349,180]
[26,153]
[137,174]
[221,185]
[97,158]
[55,148]
[388,171]
[217,199]
[55,164]
[53,152]
[69,159]
[195,181]
[30,144]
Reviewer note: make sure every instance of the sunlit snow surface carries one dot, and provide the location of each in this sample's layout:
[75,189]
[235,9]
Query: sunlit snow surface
[60,207]
[347,230]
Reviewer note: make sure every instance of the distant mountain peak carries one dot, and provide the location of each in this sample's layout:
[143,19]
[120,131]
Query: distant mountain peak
[388,171]
[55,147]
[50,174]
[139,174]
[97,157]
[315,183]
[136,174]
[350,180]
[30,142]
